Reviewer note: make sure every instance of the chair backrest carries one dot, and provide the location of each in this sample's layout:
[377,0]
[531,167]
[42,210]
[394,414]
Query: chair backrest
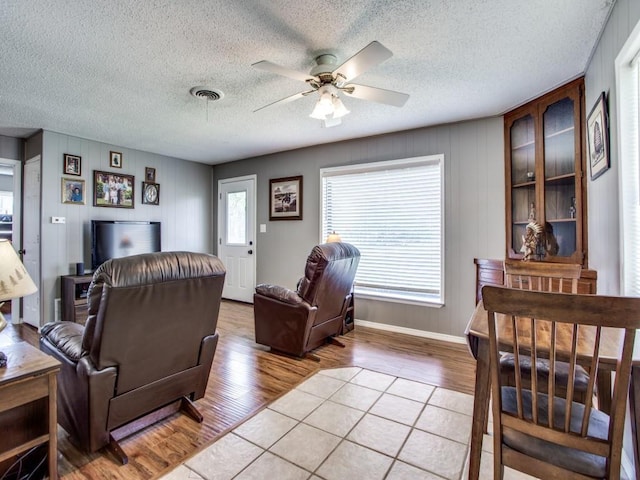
[328,278]
[542,276]
[560,327]
[148,314]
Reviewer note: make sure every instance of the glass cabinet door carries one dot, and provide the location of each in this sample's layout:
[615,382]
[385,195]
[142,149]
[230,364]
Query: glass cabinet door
[560,200]
[523,177]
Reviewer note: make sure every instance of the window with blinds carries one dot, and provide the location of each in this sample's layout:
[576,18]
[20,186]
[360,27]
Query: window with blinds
[628,79]
[393,212]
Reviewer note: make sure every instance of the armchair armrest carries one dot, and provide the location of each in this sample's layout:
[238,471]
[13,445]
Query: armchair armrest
[276,292]
[65,337]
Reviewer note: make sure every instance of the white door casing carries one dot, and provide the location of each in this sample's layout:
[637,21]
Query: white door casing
[16,166]
[236,236]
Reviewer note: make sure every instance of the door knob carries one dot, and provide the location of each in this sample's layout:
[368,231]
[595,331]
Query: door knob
[250,252]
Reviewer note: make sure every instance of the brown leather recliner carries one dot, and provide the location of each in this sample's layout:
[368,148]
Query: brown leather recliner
[297,322]
[148,343]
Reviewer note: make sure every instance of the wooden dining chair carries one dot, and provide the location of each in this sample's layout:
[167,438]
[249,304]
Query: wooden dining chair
[542,434]
[546,277]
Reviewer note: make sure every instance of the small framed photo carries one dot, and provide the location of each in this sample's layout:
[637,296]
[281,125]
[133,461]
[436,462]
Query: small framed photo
[113,190]
[149,174]
[150,193]
[285,198]
[73,191]
[72,165]
[598,138]
[115,159]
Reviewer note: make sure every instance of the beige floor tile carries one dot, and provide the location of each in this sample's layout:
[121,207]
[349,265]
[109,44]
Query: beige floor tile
[265,428]
[345,373]
[446,423]
[356,396]
[334,418]
[380,434]
[296,404]
[374,380]
[397,409]
[270,466]
[435,454]
[181,473]
[456,401]
[351,461]
[321,386]
[225,458]
[420,392]
[404,471]
[306,446]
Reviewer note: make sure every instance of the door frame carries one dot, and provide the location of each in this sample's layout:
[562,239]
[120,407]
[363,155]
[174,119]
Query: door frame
[221,214]
[16,234]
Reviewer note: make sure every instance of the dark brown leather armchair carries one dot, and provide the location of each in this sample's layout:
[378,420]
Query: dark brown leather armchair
[297,322]
[148,343]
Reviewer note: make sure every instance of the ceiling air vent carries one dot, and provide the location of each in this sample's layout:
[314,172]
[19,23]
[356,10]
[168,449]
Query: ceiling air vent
[206,93]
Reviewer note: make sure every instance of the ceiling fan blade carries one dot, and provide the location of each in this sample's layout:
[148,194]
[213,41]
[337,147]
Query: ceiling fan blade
[368,57]
[279,70]
[379,95]
[288,99]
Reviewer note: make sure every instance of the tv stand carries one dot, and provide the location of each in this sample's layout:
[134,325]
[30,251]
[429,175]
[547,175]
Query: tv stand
[74,297]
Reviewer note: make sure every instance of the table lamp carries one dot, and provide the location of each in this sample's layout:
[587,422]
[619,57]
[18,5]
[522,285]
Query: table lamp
[15,282]
[333,237]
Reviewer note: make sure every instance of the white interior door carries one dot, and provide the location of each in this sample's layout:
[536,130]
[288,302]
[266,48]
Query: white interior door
[31,238]
[236,236]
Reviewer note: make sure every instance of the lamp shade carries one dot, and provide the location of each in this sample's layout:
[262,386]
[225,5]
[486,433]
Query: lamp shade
[15,282]
[333,237]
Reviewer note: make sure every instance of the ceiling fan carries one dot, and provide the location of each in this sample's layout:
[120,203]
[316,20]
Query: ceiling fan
[329,79]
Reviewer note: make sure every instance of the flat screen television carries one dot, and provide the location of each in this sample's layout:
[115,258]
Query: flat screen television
[114,239]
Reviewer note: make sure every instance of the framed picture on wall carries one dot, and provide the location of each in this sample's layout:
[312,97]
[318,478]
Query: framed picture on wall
[113,190]
[285,198]
[598,138]
[73,191]
[149,174]
[115,159]
[72,165]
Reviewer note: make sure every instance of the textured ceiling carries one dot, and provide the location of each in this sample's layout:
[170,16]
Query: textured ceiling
[120,71]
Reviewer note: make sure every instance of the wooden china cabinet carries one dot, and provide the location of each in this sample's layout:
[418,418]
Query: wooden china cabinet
[545,181]
[544,173]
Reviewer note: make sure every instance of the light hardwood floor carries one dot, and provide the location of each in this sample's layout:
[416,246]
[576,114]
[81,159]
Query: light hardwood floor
[245,377]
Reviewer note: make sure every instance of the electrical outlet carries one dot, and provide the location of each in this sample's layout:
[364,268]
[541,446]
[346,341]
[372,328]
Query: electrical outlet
[58,220]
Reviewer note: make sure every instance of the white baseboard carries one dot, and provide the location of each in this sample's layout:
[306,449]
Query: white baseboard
[412,331]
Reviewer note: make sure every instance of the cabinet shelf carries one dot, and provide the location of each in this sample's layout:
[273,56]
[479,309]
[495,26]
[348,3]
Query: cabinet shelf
[525,184]
[561,220]
[522,146]
[560,132]
[567,179]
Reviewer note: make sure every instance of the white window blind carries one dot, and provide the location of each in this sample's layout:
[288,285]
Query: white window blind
[628,73]
[393,213]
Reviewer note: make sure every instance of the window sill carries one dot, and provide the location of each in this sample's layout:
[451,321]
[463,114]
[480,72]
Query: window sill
[431,301]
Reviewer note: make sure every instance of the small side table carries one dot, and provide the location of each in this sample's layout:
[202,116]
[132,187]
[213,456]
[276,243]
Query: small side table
[28,405]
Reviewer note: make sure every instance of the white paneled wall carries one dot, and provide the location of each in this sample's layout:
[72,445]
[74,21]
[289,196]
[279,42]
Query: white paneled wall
[474,212]
[184,210]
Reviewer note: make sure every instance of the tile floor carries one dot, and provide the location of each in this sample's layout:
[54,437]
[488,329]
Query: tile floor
[349,424]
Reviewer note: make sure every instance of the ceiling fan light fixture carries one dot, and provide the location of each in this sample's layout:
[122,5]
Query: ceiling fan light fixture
[339,110]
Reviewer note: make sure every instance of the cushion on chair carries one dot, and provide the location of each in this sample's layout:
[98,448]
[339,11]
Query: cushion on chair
[279,293]
[66,336]
[581,381]
[565,457]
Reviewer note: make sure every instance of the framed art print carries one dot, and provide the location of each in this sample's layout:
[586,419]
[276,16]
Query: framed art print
[285,198]
[72,165]
[73,191]
[150,193]
[115,159]
[113,190]
[598,138]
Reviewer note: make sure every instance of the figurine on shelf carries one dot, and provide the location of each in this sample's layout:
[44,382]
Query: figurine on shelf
[572,208]
[532,212]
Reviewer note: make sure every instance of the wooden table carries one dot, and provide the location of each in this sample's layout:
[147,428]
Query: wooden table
[478,339]
[28,414]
